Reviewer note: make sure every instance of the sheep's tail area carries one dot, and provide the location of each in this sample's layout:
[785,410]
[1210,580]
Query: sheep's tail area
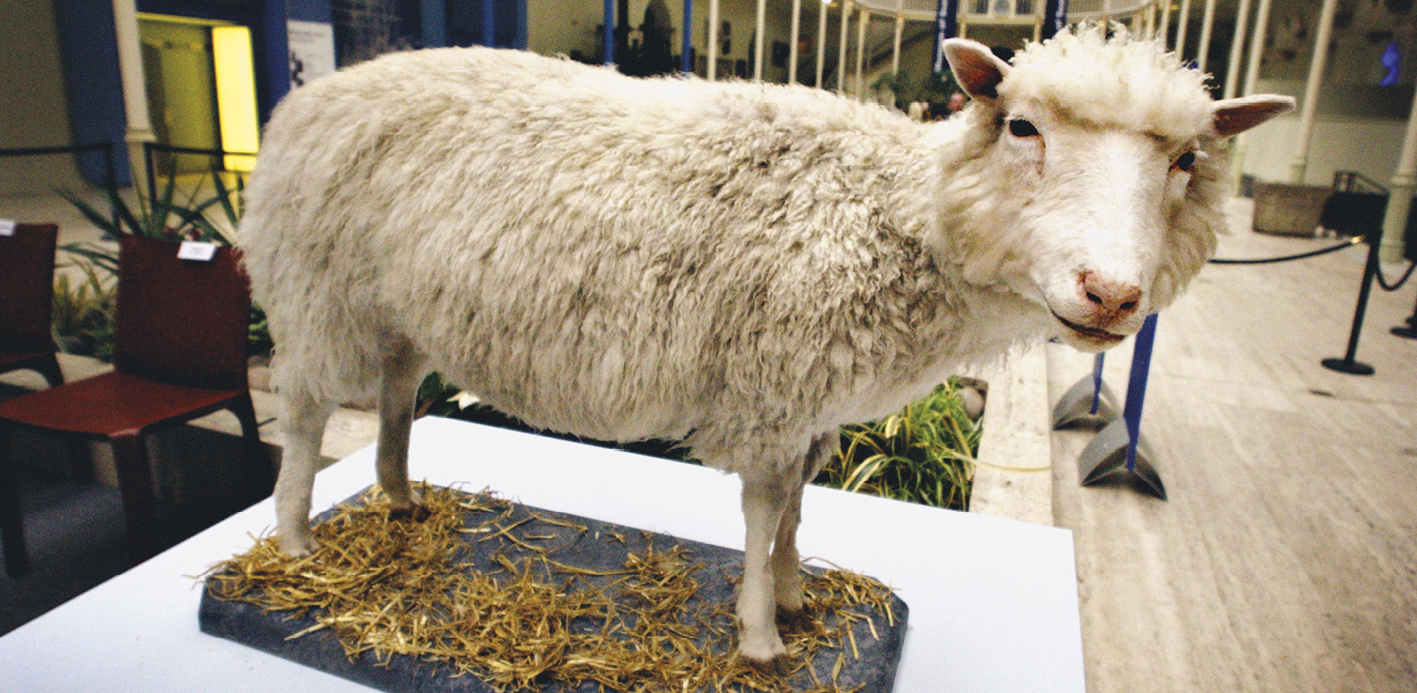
[327,347]
[321,349]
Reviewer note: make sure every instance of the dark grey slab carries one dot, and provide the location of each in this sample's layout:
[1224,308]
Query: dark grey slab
[603,546]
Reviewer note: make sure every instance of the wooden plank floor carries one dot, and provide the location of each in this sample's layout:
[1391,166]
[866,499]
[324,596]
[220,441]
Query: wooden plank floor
[1286,557]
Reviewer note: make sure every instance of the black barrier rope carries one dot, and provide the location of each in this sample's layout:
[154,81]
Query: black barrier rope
[1371,270]
[1382,281]
[1352,241]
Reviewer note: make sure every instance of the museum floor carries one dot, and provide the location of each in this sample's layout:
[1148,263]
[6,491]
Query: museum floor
[1286,556]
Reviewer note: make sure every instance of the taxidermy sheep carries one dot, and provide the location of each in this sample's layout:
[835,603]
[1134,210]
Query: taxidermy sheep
[744,266]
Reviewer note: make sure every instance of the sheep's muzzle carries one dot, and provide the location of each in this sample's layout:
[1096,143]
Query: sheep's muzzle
[1093,335]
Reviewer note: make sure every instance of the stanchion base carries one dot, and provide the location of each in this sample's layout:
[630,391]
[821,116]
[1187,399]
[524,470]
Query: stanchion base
[1408,332]
[1074,409]
[1105,459]
[1346,366]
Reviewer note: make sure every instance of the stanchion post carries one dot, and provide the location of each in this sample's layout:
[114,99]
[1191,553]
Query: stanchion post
[1097,363]
[1347,364]
[1136,388]
[1410,331]
[1118,451]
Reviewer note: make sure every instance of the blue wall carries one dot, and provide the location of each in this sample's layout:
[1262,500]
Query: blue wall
[466,20]
[92,83]
[308,10]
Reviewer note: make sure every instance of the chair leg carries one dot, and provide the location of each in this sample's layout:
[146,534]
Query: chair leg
[12,521]
[80,459]
[130,456]
[51,371]
[256,451]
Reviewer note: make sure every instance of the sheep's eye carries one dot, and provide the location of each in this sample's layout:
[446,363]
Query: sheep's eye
[1185,162]
[1018,127]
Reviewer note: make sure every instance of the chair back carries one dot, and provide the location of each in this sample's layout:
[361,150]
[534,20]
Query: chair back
[27,288]
[181,322]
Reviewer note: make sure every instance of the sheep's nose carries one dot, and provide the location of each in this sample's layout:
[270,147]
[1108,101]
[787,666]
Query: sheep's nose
[1109,300]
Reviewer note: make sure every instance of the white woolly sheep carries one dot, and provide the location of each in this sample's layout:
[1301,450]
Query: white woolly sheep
[743,266]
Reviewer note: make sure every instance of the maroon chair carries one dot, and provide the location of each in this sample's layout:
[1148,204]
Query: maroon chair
[179,353]
[27,301]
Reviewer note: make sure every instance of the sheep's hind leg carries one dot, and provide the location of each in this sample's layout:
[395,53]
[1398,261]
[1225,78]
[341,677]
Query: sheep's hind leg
[397,394]
[786,564]
[766,497]
[305,419]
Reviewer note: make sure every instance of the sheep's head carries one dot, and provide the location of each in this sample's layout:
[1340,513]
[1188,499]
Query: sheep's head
[1115,160]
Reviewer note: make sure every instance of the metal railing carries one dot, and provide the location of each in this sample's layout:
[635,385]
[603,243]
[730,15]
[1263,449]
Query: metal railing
[152,150]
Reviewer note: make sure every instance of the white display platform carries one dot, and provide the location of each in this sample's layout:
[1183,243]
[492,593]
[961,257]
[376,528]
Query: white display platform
[993,603]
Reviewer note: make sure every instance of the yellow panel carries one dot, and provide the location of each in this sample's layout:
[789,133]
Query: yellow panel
[236,94]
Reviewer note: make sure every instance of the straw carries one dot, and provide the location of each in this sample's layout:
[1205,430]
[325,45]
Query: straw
[392,587]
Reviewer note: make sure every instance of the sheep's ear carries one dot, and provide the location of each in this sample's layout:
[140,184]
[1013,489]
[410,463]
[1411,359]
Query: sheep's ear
[976,68]
[1234,116]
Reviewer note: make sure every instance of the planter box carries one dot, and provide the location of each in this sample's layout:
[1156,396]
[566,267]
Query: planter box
[1289,210]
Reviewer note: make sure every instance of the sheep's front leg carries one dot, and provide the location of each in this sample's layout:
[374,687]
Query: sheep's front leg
[766,497]
[786,575]
[398,392]
[305,419]
[786,568]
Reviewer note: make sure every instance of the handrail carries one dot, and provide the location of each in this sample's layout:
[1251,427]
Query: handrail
[1078,10]
[110,169]
[1344,181]
[57,149]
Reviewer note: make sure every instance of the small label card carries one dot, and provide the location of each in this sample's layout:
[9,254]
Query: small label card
[7,227]
[196,250]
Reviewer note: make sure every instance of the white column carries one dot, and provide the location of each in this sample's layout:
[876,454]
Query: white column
[1237,48]
[841,54]
[899,31]
[135,94]
[1183,21]
[863,21]
[758,41]
[792,49]
[1300,163]
[713,41]
[821,42]
[1165,31]
[1252,69]
[1399,203]
[1252,76]
[1207,20]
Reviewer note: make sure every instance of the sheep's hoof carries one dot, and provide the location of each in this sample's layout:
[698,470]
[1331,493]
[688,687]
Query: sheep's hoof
[415,512]
[794,619]
[780,665]
[298,546]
